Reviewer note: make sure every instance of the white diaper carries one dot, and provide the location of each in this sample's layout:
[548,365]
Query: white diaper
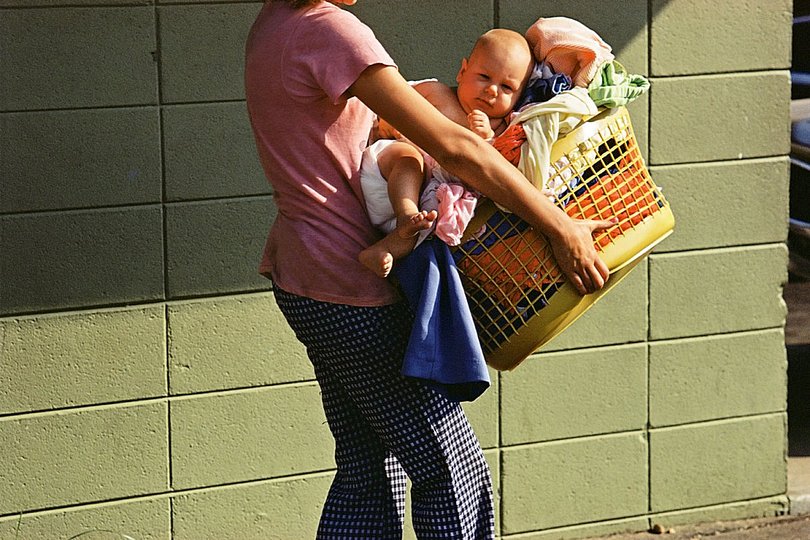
[375,188]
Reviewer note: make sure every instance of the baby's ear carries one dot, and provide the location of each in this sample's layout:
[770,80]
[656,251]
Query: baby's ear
[461,70]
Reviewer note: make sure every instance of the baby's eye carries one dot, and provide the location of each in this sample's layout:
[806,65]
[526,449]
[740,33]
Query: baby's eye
[483,76]
[507,88]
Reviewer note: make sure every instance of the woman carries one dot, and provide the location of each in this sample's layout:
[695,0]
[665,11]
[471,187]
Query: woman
[313,76]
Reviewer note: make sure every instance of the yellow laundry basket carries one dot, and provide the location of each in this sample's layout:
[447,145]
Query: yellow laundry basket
[518,296]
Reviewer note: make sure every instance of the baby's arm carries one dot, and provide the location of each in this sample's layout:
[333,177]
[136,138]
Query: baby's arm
[480,124]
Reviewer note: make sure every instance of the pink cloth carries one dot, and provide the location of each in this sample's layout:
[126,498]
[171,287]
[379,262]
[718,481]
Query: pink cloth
[569,47]
[310,139]
[456,208]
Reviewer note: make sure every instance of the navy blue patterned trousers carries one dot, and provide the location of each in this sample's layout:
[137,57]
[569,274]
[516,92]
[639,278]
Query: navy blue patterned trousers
[386,427]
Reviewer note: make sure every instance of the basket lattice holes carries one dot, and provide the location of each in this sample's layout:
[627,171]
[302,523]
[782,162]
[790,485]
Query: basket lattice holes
[518,295]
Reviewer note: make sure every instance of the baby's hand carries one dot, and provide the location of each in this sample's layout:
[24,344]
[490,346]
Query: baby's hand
[479,124]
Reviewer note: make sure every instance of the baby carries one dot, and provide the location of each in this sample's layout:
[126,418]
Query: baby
[490,83]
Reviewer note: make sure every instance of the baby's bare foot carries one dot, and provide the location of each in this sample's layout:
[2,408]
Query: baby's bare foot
[380,257]
[411,225]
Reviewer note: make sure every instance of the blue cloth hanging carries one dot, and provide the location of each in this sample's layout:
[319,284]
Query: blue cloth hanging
[443,348]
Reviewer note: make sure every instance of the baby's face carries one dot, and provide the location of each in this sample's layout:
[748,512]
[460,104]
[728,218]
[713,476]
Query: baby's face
[492,80]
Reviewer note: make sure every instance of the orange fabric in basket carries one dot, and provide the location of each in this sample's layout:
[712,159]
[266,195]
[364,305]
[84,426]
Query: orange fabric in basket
[509,142]
[627,196]
[511,266]
[524,261]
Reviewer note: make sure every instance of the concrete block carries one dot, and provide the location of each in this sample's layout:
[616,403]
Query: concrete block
[572,482]
[625,29]
[90,455]
[272,510]
[54,261]
[483,413]
[694,36]
[147,519]
[216,246]
[575,393]
[715,291]
[639,110]
[209,152]
[717,377]
[198,41]
[100,157]
[81,359]
[719,117]
[426,41]
[620,317]
[249,435]
[707,197]
[717,462]
[759,508]
[77,57]
[235,342]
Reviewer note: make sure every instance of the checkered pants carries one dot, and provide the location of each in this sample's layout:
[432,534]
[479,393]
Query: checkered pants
[386,426]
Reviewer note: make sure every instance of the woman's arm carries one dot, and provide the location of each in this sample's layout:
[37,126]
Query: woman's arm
[469,157]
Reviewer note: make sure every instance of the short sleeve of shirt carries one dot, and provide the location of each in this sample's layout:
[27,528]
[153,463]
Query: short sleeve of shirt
[333,33]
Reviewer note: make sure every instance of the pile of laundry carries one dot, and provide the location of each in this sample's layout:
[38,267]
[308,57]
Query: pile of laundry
[576,74]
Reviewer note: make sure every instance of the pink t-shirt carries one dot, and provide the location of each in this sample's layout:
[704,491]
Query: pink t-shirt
[310,139]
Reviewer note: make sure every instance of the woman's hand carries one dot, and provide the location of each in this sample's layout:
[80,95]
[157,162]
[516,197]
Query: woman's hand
[575,254]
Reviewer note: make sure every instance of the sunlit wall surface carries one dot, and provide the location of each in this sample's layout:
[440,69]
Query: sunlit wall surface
[149,385]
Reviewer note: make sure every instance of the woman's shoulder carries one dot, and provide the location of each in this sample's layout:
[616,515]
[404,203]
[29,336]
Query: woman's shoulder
[328,16]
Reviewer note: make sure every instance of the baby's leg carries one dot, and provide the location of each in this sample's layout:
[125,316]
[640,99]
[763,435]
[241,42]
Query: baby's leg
[402,166]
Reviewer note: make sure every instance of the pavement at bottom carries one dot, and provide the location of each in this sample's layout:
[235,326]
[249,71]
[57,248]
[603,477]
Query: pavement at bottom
[777,528]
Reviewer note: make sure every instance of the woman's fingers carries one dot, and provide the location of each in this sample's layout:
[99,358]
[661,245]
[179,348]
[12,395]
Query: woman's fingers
[595,272]
[576,281]
[578,258]
[590,277]
[603,269]
[602,224]
[597,279]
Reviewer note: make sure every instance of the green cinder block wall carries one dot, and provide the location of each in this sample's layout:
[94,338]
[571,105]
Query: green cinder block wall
[149,385]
